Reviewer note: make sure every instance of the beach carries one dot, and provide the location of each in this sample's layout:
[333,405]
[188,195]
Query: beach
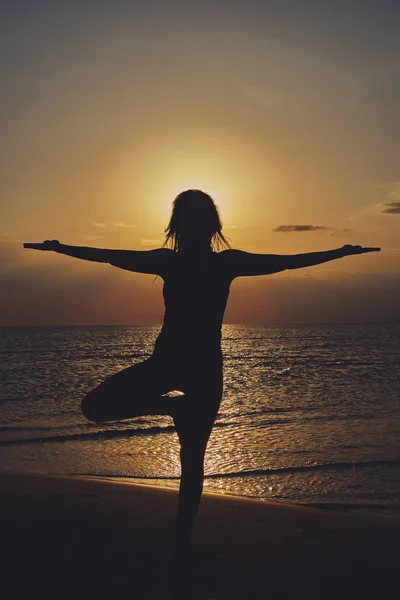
[95,538]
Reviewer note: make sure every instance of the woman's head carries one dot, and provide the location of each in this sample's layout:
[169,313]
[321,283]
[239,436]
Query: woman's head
[195,223]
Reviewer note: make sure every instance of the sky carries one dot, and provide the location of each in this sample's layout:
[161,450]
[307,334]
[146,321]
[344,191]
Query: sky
[286,112]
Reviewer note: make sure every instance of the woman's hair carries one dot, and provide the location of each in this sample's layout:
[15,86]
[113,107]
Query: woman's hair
[194,213]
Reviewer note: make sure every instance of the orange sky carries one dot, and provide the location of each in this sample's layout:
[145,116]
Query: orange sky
[288,117]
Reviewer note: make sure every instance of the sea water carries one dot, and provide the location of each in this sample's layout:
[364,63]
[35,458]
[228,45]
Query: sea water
[310,413]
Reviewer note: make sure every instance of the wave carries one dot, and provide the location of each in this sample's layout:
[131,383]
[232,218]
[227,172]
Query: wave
[390,507]
[96,435]
[101,356]
[305,468]
[28,427]
[264,472]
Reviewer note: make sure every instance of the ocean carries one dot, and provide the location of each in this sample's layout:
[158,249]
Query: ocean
[310,413]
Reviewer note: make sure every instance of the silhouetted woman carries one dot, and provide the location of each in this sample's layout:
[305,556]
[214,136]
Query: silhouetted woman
[187,354]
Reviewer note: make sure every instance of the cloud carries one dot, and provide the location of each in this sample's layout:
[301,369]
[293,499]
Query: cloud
[391,204]
[123,225]
[391,208]
[394,193]
[292,228]
[240,226]
[146,242]
[340,231]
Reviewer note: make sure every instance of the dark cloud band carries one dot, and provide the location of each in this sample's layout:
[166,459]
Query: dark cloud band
[291,228]
[391,208]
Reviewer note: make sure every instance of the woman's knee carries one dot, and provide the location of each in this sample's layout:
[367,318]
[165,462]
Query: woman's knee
[192,463]
[90,409]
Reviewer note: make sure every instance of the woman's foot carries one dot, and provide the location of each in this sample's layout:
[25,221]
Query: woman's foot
[177,575]
[173,403]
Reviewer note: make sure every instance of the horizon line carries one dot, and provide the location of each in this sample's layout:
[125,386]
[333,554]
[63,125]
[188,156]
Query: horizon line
[242,324]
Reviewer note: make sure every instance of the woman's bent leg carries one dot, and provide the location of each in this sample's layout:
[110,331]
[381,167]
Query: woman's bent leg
[132,392]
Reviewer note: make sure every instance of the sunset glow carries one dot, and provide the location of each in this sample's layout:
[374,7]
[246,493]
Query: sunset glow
[286,116]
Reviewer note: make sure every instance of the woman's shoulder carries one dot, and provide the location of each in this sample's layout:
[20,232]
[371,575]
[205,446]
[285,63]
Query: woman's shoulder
[229,256]
[232,261]
[227,260]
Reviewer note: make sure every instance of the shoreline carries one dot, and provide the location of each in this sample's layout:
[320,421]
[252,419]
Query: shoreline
[356,508]
[94,538]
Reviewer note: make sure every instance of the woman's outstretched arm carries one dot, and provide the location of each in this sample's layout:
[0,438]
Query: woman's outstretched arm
[139,261]
[245,263]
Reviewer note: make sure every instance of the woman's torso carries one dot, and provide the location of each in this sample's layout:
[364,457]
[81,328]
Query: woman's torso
[195,291]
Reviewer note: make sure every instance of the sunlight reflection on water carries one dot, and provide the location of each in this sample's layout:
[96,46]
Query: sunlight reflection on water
[295,396]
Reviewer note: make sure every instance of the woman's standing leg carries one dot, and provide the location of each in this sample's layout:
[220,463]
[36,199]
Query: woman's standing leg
[194,422]
[193,425]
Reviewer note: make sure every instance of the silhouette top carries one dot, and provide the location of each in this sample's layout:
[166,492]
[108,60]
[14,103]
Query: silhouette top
[196,277]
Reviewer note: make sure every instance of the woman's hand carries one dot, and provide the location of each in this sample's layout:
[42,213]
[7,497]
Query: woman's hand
[348,250]
[95,254]
[46,245]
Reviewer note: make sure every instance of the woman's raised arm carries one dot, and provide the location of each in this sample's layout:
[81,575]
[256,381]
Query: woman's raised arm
[245,263]
[140,261]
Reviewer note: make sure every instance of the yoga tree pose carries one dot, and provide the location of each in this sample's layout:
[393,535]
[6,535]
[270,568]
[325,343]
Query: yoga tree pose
[197,270]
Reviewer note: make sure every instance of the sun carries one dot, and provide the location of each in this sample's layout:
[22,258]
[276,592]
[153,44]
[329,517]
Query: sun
[164,178]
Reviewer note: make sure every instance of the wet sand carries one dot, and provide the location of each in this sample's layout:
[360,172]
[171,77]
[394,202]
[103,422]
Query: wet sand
[67,537]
